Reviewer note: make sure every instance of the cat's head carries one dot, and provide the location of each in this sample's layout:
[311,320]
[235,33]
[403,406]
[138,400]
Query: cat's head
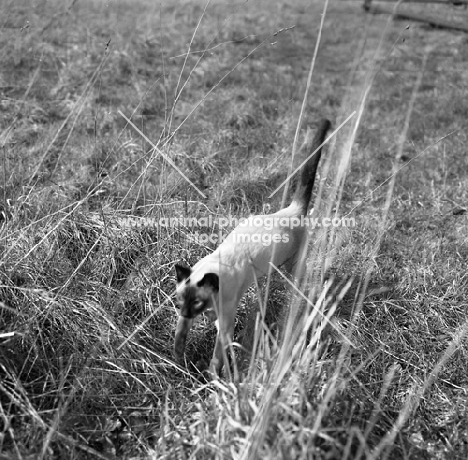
[195,294]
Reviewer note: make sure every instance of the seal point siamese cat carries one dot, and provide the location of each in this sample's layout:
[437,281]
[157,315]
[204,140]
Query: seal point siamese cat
[217,282]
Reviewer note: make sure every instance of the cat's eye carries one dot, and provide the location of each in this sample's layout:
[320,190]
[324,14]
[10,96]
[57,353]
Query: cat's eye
[197,304]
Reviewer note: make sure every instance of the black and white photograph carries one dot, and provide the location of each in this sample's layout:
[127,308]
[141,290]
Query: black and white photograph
[234,229]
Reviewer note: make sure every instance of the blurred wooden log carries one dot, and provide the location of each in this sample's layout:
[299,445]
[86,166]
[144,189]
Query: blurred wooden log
[433,21]
[446,2]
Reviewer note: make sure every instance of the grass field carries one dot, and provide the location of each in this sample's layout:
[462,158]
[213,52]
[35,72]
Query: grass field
[87,314]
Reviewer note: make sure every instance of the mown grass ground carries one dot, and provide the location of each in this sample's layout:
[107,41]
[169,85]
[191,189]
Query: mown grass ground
[85,373]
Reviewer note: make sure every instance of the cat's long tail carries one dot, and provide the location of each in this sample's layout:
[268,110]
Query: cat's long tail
[306,180]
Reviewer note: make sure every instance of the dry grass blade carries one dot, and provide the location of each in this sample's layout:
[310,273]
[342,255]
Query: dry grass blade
[304,102]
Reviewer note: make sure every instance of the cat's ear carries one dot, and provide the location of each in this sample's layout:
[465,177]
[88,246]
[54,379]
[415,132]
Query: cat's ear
[182,272]
[211,280]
